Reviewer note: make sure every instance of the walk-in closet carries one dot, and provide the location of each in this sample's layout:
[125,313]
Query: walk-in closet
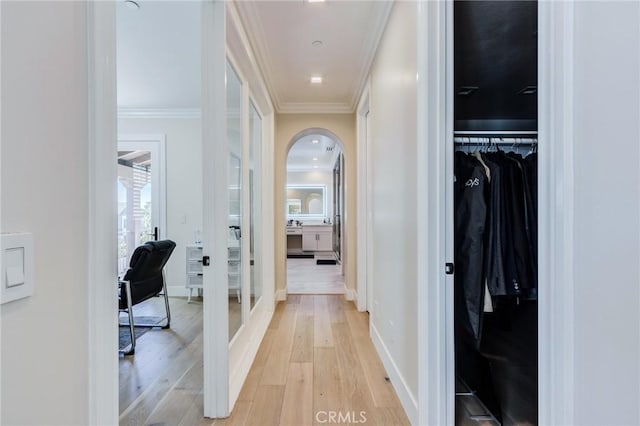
[495,220]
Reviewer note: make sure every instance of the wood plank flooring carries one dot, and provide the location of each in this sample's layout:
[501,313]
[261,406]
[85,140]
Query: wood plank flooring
[162,383]
[315,361]
[297,376]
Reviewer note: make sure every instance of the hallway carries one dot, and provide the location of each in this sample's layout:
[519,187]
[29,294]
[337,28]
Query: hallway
[316,357]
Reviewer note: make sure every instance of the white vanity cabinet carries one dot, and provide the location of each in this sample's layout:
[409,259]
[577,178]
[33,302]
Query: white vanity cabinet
[317,238]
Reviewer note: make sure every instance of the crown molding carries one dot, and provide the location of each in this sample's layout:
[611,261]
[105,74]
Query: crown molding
[371,49]
[248,18]
[128,112]
[258,79]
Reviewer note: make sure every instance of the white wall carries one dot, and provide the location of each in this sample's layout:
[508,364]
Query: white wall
[393,160]
[44,190]
[606,217]
[184,184]
[324,177]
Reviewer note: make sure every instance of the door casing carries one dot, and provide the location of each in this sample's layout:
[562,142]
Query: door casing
[556,147]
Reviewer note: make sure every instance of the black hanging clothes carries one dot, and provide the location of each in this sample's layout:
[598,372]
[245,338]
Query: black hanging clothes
[470,218]
[510,283]
[507,240]
[496,228]
[518,209]
[530,164]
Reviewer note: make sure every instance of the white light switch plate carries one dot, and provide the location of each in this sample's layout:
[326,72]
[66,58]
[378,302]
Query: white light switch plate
[16,264]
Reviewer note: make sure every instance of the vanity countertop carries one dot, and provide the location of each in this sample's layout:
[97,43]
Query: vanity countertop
[298,230]
[304,225]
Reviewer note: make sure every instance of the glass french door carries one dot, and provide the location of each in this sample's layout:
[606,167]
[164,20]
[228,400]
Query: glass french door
[236,233]
[255,202]
[139,197]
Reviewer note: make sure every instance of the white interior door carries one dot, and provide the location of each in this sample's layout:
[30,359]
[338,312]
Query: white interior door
[448,219]
[215,197]
[141,194]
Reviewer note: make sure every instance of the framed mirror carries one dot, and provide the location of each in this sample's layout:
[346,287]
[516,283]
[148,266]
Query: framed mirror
[306,201]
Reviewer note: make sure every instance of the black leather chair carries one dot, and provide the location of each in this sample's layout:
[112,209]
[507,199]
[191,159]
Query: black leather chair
[143,280]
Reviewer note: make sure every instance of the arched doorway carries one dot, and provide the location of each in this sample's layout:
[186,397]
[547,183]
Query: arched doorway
[313,213]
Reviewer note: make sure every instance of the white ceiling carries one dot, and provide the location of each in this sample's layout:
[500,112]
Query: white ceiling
[282,33]
[159,50]
[302,154]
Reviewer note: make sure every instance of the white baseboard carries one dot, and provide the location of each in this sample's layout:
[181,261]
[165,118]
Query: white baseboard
[408,400]
[350,294]
[281,295]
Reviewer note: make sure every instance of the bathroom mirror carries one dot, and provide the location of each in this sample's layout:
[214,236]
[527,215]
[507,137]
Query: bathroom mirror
[306,201]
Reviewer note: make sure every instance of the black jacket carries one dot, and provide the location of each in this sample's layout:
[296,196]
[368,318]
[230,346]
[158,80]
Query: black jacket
[470,218]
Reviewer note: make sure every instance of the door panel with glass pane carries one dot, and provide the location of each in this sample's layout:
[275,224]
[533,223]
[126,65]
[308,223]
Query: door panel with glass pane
[138,197]
[255,201]
[234,242]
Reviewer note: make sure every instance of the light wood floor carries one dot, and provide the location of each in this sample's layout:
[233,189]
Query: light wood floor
[316,357]
[304,276]
[167,365]
[163,361]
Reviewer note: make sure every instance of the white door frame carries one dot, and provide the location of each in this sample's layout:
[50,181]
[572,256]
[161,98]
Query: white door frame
[102,228]
[435,393]
[555,212]
[157,146]
[364,287]
[345,259]
[215,157]
[435,205]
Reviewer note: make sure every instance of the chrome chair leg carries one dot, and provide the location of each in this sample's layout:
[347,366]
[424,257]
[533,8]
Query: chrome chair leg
[166,301]
[132,330]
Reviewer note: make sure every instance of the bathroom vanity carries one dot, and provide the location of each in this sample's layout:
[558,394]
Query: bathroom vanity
[309,238]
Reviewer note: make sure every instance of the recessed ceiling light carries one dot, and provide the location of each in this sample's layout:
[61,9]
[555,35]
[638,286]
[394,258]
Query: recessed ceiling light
[317,43]
[315,1]
[316,79]
[132,4]
[315,141]
[315,167]
[315,158]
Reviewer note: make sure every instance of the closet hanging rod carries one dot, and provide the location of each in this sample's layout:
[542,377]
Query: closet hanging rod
[495,133]
[492,140]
